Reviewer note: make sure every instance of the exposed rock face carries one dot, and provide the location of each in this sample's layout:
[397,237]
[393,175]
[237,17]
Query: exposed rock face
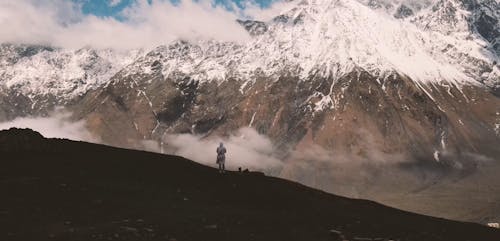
[403,12]
[398,115]
[253,27]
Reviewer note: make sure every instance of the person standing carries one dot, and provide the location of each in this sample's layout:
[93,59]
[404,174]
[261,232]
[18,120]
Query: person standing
[221,157]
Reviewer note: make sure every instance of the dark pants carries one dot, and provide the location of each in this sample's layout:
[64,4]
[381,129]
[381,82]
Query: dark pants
[221,159]
[221,167]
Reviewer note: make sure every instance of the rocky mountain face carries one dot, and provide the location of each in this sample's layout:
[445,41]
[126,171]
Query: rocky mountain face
[34,79]
[372,88]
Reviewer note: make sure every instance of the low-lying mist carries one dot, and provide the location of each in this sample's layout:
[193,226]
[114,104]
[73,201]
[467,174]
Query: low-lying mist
[57,124]
[245,148]
[365,173]
[368,173]
[393,179]
[343,172]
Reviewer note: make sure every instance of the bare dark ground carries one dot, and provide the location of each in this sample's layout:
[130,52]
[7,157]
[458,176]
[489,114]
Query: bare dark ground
[63,190]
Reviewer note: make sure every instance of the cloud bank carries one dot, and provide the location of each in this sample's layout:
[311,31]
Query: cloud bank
[143,24]
[364,172]
[360,175]
[246,149]
[249,149]
[56,125]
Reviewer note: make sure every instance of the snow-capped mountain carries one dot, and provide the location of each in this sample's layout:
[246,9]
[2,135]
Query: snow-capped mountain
[430,46]
[376,80]
[65,74]
[34,79]
[331,38]
[439,41]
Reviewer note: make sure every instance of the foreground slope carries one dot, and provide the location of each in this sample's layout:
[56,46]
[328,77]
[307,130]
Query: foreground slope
[414,85]
[64,190]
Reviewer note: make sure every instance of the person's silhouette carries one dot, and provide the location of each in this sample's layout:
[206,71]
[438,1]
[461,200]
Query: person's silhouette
[221,157]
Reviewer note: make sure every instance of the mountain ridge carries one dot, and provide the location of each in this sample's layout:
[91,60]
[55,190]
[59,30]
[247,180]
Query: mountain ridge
[300,49]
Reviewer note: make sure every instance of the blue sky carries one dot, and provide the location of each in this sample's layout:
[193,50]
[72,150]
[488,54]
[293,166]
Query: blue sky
[104,8]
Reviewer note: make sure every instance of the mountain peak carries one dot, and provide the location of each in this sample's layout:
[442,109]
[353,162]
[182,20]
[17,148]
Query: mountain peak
[320,33]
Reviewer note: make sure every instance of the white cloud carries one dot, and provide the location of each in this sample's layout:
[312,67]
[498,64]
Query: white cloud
[57,125]
[113,3]
[61,23]
[246,148]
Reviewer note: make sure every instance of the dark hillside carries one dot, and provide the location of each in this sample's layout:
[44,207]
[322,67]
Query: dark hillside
[54,189]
